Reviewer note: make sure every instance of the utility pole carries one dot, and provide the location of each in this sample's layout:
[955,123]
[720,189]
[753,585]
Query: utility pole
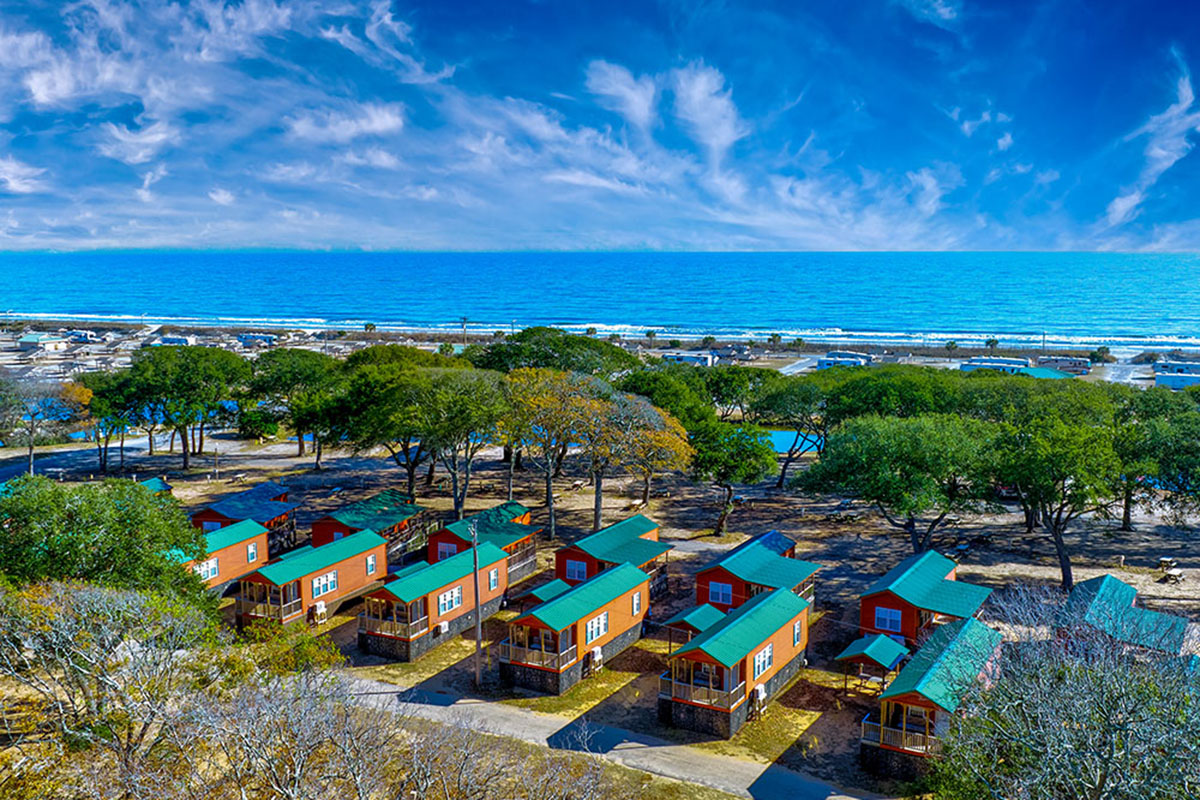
[478,620]
[464,329]
[217,462]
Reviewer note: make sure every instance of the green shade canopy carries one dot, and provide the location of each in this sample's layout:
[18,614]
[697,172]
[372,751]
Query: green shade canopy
[947,664]
[156,485]
[588,597]
[425,578]
[921,581]
[878,649]
[378,512]
[747,627]
[309,560]
[761,565]
[701,618]
[1107,604]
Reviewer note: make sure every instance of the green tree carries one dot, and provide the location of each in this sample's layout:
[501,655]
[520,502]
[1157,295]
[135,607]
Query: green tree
[992,344]
[677,388]
[114,533]
[951,346]
[891,391]
[44,410]
[916,471]
[387,405]
[282,375]
[401,355]
[1138,417]
[464,413]
[112,411]
[795,402]
[551,348]
[728,454]
[733,389]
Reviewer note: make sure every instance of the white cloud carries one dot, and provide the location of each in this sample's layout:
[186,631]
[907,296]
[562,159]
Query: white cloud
[1167,141]
[1046,177]
[969,126]
[388,33]
[633,98]
[706,109]
[20,178]
[222,197]
[140,145]
[372,157]
[150,178]
[942,13]
[369,119]
[1004,142]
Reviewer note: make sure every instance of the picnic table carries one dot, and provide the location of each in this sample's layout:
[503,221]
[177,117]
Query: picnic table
[1174,575]
[1166,563]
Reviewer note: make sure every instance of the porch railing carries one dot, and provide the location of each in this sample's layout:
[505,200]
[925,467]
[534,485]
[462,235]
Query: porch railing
[538,658]
[875,732]
[387,627]
[522,558]
[253,608]
[703,695]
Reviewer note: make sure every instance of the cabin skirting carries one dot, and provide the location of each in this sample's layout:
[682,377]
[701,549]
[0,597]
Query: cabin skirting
[715,721]
[548,682]
[522,572]
[405,650]
[887,763]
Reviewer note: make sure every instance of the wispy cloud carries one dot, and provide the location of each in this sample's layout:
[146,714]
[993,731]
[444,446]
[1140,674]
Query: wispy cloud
[370,119]
[222,197]
[1004,142]
[943,13]
[618,90]
[1168,139]
[137,146]
[19,178]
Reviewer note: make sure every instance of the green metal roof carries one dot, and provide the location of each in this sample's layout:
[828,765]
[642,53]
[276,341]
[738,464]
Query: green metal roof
[378,512]
[699,617]
[233,534]
[621,543]
[588,597]
[255,503]
[759,564]
[744,629]
[921,581]
[495,525]
[548,591]
[310,560]
[156,485]
[947,664]
[1107,604]
[430,577]
[1044,373]
[882,650]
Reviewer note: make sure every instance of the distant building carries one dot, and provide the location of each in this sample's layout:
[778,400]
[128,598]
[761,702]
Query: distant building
[257,339]
[700,358]
[843,358]
[176,340]
[1072,364]
[157,486]
[82,337]
[1177,375]
[41,343]
[1009,365]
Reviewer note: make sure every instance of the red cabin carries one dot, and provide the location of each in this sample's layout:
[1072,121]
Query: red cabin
[388,513]
[752,568]
[917,594]
[631,541]
[506,526]
[267,504]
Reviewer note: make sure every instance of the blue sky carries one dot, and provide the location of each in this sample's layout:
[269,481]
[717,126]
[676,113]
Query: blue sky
[824,125]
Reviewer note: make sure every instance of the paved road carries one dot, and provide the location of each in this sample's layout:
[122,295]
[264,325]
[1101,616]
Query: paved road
[624,747]
[799,365]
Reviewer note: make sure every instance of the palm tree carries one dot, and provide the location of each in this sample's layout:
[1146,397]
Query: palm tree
[650,337]
[951,346]
[992,344]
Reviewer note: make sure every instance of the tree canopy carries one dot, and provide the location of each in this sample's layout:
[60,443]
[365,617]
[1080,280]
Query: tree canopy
[553,348]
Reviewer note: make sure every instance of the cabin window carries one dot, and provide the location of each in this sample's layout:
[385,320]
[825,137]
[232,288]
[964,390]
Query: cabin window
[209,527]
[207,570]
[797,632]
[371,564]
[446,549]
[448,601]
[252,552]
[576,570]
[596,627]
[637,603]
[887,619]
[720,593]
[763,659]
[337,535]
[493,579]
[324,584]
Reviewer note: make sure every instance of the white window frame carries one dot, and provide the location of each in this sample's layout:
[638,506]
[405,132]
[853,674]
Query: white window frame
[576,570]
[324,584]
[372,563]
[637,602]
[725,597]
[797,632]
[446,550]
[883,615]
[252,552]
[596,627]
[764,659]
[493,579]
[448,601]
[209,569]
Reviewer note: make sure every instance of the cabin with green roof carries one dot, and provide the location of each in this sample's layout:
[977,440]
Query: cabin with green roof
[916,707]
[311,582]
[230,553]
[761,564]
[736,665]
[266,503]
[918,594]
[630,541]
[157,486]
[1108,606]
[506,526]
[390,513]
[558,643]
[426,604]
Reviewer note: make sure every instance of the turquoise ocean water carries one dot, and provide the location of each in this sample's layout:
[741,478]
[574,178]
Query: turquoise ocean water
[1073,299]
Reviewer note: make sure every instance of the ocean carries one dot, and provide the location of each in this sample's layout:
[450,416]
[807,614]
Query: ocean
[1126,301]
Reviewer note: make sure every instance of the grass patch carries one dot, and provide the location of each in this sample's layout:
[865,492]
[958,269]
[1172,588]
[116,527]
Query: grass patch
[581,697]
[767,738]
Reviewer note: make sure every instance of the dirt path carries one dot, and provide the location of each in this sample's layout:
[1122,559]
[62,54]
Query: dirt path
[624,747]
